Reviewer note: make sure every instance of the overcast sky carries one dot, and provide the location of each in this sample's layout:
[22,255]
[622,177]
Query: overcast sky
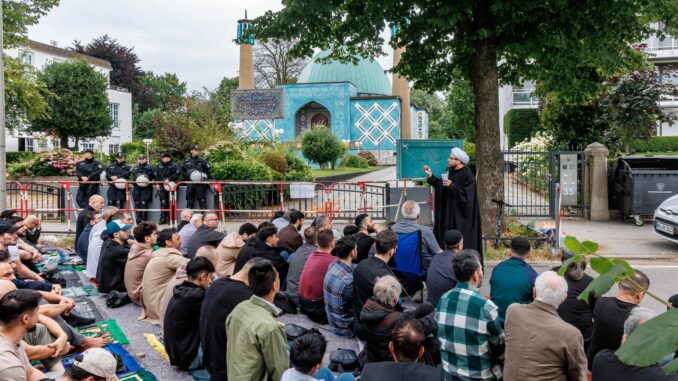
[193,39]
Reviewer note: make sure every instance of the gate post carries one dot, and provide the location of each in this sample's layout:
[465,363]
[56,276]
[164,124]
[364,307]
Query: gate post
[596,193]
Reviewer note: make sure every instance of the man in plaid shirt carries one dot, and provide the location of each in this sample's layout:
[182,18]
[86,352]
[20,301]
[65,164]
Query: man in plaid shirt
[338,287]
[471,337]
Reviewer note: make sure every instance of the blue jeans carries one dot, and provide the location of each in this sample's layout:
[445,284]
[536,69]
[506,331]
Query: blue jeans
[197,368]
[325,374]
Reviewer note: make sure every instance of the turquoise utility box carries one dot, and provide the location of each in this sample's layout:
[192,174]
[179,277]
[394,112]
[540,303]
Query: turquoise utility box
[414,154]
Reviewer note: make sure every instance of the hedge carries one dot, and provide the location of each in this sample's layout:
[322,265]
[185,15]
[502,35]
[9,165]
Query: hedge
[656,144]
[521,124]
[18,157]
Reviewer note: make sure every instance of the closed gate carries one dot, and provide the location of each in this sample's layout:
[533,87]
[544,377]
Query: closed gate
[530,179]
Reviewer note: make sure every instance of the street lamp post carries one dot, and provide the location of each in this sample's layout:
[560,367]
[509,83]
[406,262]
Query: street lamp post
[147,142]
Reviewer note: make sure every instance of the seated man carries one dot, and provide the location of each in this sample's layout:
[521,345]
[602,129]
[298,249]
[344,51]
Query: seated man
[10,238]
[206,234]
[96,240]
[229,248]
[410,224]
[92,365]
[188,230]
[180,329]
[298,261]
[440,276]
[186,216]
[33,229]
[512,280]
[18,316]
[254,322]
[608,367]
[311,300]
[289,236]
[338,287]
[146,236]
[306,356]
[364,235]
[380,314]
[83,241]
[407,348]
[265,245]
[111,269]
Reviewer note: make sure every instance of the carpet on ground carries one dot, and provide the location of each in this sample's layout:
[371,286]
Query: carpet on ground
[157,342]
[85,307]
[100,328]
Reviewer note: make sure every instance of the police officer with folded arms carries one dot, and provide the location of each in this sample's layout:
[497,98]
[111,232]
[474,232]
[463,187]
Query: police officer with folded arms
[142,193]
[87,170]
[167,171]
[118,170]
[196,191]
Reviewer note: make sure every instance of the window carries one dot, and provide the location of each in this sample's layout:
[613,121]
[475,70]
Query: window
[113,148]
[114,107]
[56,144]
[26,57]
[25,144]
[87,146]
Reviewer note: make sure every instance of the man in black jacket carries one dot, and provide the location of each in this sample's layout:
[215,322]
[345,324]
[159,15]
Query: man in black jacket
[196,191]
[167,171]
[180,328]
[407,348]
[220,299]
[142,194]
[265,245]
[111,269]
[88,172]
[118,170]
[205,235]
[96,203]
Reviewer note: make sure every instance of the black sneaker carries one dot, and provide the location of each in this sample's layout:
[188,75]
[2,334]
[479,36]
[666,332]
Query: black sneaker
[78,321]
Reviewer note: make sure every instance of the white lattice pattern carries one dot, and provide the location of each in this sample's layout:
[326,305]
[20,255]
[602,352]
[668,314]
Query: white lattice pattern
[257,129]
[376,123]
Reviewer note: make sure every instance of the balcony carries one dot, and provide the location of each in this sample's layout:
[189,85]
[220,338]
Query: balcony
[524,98]
[661,50]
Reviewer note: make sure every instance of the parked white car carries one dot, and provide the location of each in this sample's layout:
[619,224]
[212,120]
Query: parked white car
[666,219]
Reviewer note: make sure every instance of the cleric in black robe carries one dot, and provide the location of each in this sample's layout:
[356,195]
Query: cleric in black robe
[456,202]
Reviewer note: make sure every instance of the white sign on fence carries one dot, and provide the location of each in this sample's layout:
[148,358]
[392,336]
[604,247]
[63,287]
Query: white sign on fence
[302,190]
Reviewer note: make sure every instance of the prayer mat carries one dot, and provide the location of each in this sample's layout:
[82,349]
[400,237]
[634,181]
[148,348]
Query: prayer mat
[80,291]
[142,375]
[157,342]
[71,277]
[127,364]
[111,327]
[85,307]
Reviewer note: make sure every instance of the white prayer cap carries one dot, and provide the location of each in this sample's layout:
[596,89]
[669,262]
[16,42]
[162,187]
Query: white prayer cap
[460,155]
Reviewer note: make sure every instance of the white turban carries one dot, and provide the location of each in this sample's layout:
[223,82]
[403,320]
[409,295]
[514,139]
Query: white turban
[460,155]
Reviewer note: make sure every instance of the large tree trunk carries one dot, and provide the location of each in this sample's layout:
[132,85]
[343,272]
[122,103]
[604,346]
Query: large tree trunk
[64,141]
[489,160]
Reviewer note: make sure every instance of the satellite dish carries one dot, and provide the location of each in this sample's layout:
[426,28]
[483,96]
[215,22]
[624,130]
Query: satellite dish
[142,181]
[121,183]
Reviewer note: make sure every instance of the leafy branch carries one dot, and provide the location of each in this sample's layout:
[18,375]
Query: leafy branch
[653,340]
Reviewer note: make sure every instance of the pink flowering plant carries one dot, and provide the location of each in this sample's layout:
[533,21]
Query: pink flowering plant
[59,162]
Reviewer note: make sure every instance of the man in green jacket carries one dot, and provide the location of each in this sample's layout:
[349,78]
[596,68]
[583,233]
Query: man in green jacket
[257,345]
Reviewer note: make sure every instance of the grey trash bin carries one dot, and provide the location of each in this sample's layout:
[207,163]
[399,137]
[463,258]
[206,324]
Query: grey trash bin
[641,183]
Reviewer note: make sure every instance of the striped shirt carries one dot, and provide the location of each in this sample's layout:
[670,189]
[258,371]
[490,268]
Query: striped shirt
[471,336]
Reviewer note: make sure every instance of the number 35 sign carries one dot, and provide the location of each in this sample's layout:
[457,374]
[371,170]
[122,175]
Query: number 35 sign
[568,179]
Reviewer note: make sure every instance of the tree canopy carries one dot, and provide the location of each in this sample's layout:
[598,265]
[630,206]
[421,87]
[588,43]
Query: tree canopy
[274,65]
[80,107]
[18,15]
[553,43]
[165,91]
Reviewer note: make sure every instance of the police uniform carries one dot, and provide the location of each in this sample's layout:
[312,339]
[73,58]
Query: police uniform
[117,197]
[92,170]
[196,191]
[166,171]
[142,195]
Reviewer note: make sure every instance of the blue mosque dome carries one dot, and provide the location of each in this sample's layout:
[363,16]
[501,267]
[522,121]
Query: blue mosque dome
[368,75]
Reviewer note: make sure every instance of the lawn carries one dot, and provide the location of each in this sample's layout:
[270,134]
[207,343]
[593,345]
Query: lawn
[341,171]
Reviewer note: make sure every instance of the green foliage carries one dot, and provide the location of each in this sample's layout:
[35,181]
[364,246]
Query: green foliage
[165,91]
[520,124]
[319,145]
[220,100]
[224,150]
[435,106]
[132,150]
[244,170]
[470,149]
[354,161]
[655,144]
[571,125]
[143,122]
[19,157]
[170,133]
[456,119]
[651,341]
[369,156]
[532,169]
[18,15]
[631,108]
[298,169]
[25,96]
[80,108]
[59,162]
[275,160]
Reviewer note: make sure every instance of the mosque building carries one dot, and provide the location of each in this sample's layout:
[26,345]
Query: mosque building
[356,101]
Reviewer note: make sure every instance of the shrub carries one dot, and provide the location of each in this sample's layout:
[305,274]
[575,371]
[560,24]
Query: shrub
[369,156]
[275,160]
[59,162]
[224,150]
[354,161]
[240,169]
[319,145]
[532,169]
[19,157]
[520,124]
[470,149]
[656,144]
[298,170]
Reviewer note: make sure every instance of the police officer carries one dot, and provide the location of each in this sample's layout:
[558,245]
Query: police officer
[142,195]
[117,170]
[87,170]
[166,171]
[196,191]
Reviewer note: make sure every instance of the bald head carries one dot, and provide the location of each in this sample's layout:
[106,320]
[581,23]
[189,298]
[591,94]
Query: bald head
[550,288]
[96,202]
[5,287]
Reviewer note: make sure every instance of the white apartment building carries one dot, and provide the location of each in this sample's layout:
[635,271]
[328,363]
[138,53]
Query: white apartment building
[662,53]
[38,55]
